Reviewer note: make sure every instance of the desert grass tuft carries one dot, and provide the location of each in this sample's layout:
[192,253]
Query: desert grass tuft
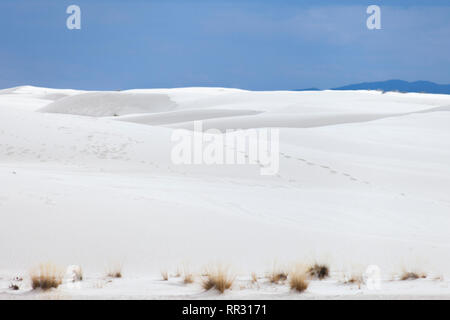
[319,271]
[188,278]
[408,275]
[219,278]
[254,277]
[276,277]
[114,271]
[46,276]
[164,275]
[178,273]
[14,287]
[298,279]
[186,274]
[355,278]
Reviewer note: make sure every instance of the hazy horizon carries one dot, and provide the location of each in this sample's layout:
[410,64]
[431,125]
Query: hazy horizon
[266,45]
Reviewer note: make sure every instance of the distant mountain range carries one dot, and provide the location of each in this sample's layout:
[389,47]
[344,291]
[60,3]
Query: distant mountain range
[308,89]
[395,85]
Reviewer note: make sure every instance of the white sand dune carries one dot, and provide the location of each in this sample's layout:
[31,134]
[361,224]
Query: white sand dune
[166,118]
[364,179]
[101,104]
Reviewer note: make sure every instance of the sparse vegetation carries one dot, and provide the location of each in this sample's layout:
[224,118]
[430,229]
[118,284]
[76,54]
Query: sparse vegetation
[319,271]
[277,276]
[114,271]
[254,277]
[186,274]
[46,276]
[408,275]
[116,274]
[79,275]
[14,286]
[298,280]
[164,275]
[188,278]
[354,278]
[219,278]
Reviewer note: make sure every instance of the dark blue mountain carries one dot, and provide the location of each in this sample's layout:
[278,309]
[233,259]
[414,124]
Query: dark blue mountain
[400,85]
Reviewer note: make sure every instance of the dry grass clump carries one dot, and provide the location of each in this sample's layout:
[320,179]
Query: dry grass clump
[46,276]
[277,275]
[219,278]
[165,275]
[178,273]
[14,287]
[298,279]
[355,278]
[188,278]
[254,277]
[408,275]
[319,271]
[114,271]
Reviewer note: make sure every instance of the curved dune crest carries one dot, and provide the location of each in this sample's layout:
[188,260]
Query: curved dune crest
[103,104]
[173,117]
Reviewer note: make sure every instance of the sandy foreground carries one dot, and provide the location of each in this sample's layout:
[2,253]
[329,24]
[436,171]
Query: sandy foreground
[87,178]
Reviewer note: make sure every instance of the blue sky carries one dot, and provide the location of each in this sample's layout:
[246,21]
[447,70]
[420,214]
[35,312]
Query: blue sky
[259,45]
